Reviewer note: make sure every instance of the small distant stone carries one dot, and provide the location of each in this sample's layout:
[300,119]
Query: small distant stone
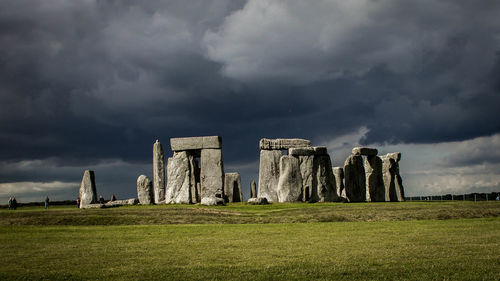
[258,201]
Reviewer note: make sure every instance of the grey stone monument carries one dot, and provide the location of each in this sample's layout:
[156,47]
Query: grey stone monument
[290,181]
[88,193]
[145,192]
[232,187]
[355,179]
[158,172]
[253,189]
[338,174]
[374,178]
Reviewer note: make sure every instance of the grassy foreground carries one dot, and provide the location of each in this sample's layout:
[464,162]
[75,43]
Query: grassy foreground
[369,249]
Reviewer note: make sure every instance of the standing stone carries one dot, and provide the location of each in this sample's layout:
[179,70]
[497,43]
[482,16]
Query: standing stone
[158,172]
[269,174]
[355,179]
[253,189]
[232,187]
[388,177]
[290,180]
[88,193]
[211,176]
[374,179]
[306,172]
[396,192]
[145,191]
[324,189]
[338,174]
[179,179]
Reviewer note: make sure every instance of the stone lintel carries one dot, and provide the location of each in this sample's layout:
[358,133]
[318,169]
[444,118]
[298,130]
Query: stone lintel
[192,143]
[307,151]
[278,144]
[367,151]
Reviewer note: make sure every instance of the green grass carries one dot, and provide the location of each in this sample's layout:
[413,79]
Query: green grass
[385,241]
[242,213]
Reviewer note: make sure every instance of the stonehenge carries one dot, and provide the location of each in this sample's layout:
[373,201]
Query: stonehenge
[290,170]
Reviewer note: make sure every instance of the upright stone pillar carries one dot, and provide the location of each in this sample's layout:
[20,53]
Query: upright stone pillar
[232,187]
[145,192]
[269,173]
[324,189]
[179,179]
[374,178]
[88,193]
[290,181]
[355,179]
[158,172]
[392,179]
[338,173]
[253,189]
[211,175]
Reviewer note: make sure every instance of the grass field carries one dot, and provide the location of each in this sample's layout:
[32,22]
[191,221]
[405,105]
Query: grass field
[373,241]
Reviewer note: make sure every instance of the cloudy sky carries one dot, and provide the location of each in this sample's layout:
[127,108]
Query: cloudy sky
[92,85]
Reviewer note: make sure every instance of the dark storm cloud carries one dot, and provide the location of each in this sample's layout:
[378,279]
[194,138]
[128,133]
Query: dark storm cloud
[91,81]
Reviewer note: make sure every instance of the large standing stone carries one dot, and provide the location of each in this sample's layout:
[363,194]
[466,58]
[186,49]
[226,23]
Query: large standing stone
[374,179]
[88,193]
[306,172]
[355,179]
[212,174]
[253,189]
[392,179]
[145,191]
[290,180]
[269,173]
[158,172]
[323,180]
[366,151]
[179,179]
[192,143]
[278,144]
[232,187]
[338,174]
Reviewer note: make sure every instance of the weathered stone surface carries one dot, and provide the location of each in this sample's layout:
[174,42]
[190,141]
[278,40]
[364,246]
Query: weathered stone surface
[324,189]
[212,173]
[258,201]
[190,143]
[290,181]
[232,187]
[145,192]
[93,206]
[367,151]
[374,179]
[355,179]
[178,174]
[320,150]
[212,201]
[269,173]
[278,144]
[117,203]
[88,194]
[306,172]
[301,151]
[338,174]
[158,172]
[253,189]
[392,179]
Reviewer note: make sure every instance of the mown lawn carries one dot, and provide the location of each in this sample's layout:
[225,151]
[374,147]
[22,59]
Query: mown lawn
[367,248]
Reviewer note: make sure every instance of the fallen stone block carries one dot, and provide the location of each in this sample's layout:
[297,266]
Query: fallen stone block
[212,201]
[258,201]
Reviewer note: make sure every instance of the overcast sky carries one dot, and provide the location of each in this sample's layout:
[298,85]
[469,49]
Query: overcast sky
[92,85]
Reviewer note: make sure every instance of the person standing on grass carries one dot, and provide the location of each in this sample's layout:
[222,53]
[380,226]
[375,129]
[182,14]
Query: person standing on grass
[78,202]
[101,199]
[47,200]
[10,203]
[14,203]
